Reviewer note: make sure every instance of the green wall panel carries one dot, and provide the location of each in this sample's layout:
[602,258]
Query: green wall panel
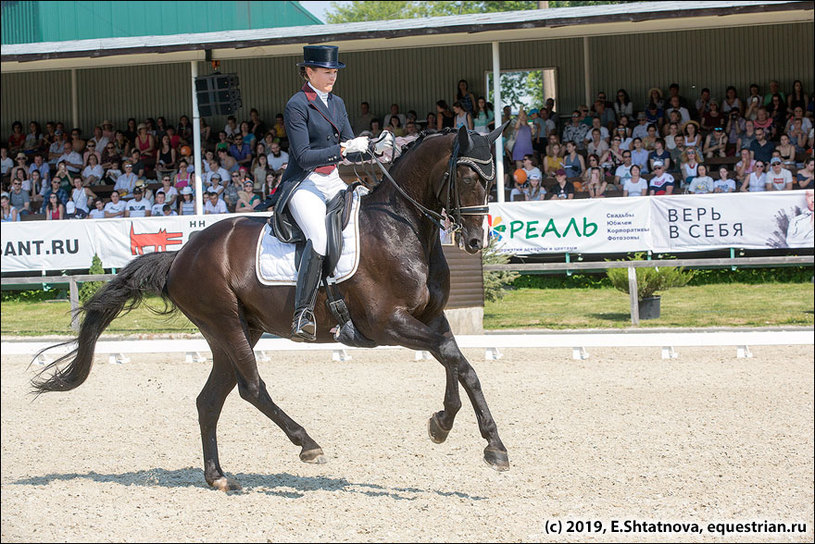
[64,20]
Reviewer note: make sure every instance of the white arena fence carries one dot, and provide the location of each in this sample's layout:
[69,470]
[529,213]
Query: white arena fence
[194,349]
[791,260]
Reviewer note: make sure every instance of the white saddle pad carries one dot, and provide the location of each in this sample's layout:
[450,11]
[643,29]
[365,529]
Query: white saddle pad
[275,260]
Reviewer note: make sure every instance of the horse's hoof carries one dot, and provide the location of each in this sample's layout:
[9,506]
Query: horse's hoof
[438,434]
[225,484]
[314,456]
[497,459]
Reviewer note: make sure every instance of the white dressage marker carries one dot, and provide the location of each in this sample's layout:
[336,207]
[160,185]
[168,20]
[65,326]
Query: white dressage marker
[580,354]
[669,353]
[340,355]
[493,354]
[194,357]
[118,359]
[421,356]
[743,352]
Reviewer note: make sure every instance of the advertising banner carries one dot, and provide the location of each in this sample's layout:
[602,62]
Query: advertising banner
[71,244]
[664,224]
[574,226]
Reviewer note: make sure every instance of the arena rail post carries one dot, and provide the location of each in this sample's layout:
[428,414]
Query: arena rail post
[74,296]
[632,291]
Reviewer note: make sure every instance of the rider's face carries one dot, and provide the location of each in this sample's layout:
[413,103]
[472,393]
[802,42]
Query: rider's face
[322,79]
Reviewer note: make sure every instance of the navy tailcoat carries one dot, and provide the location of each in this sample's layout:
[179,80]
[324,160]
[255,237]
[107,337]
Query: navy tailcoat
[315,132]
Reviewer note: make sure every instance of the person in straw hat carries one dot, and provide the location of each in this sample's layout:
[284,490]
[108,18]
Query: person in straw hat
[692,137]
[655,96]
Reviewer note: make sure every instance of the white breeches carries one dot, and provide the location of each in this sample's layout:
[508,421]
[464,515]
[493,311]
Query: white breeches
[307,206]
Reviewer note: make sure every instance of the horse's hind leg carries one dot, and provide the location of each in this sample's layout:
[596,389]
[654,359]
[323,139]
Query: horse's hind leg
[210,401]
[253,390]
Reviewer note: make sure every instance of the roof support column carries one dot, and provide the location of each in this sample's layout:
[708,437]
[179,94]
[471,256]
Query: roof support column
[74,101]
[196,145]
[496,100]
[586,73]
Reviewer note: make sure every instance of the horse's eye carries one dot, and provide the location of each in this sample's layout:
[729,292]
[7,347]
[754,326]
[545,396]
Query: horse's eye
[469,180]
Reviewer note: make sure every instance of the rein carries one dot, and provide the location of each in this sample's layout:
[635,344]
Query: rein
[456,209]
[435,218]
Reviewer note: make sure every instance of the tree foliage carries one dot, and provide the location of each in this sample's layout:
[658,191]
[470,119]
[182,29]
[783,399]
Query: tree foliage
[495,282]
[89,288]
[519,88]
[354,12]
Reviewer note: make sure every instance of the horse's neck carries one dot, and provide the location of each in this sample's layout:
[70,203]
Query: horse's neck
[416,175]
[420,172]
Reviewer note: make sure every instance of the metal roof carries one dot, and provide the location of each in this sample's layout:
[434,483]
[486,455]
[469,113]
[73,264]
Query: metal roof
[378,35]
[37,21]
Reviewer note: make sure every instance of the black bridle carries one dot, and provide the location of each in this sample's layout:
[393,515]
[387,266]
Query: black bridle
[454,210]
[453,196]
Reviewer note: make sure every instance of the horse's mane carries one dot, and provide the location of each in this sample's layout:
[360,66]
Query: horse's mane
[410,146]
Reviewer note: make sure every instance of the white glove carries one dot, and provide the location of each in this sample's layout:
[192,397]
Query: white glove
[385,141]
[357,145]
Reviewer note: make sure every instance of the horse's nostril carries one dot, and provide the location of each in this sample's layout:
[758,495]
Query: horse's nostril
[475,243]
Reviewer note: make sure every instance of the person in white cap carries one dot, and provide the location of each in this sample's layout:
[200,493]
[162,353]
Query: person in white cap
[778,178]
[186,204]
[535,191]
[662,183]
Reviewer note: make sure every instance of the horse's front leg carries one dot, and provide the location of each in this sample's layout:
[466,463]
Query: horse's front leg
[495,454]
[438,340]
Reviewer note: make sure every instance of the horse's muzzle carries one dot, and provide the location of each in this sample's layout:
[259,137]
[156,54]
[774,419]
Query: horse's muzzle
[474,245]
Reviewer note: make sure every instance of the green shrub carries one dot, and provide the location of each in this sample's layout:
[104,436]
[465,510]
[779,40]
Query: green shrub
[753,276]
[599,280]
[89,288]
[495,282]
[649,280]
[562,281]
[33,295]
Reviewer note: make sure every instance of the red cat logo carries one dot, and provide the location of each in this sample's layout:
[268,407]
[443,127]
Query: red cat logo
[157,240]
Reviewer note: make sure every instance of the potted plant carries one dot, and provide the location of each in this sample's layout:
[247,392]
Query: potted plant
[649,281]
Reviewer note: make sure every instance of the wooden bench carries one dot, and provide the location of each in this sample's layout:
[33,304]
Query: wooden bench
[32,217]
[104,191]
[730,162]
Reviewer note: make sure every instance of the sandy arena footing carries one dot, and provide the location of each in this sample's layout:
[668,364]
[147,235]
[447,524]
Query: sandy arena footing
[704,438]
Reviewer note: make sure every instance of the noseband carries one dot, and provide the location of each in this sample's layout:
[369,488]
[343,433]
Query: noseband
[455,211]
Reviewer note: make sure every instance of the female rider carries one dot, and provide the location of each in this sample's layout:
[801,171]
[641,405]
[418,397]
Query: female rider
[319,135]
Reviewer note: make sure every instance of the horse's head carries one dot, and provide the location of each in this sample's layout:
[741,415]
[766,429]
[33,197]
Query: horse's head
[465,193]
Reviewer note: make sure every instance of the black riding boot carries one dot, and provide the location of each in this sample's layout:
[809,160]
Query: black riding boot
[304,326]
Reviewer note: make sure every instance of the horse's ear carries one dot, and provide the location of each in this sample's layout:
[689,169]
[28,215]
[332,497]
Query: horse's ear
[492,136]
[465,143]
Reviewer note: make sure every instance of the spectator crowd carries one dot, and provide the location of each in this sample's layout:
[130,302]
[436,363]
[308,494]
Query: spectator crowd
[671,144]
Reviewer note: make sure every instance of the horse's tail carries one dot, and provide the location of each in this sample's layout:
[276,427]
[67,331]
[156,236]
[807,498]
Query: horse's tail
[145,275]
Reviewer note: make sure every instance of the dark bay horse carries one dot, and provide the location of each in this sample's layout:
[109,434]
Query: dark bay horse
[396,297]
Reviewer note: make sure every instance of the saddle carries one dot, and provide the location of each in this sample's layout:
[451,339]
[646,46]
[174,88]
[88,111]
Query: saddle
[338,213]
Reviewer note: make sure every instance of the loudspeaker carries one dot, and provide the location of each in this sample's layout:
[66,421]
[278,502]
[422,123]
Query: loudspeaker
[218,94]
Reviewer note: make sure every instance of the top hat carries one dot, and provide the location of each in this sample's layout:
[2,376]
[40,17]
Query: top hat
[323,56]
